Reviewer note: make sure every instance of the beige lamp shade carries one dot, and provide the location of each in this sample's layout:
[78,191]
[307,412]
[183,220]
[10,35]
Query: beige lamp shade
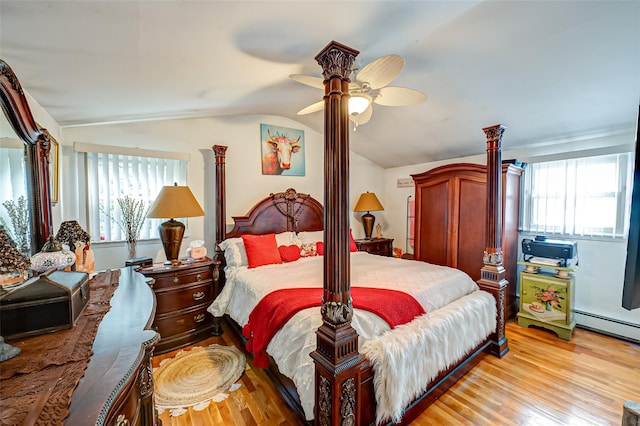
[368,202]
[175,201]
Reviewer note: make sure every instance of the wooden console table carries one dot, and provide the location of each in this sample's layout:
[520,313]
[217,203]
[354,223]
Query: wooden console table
[117,387]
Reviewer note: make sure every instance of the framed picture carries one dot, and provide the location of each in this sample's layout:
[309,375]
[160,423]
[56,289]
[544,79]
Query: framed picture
[54,159]
[282,150]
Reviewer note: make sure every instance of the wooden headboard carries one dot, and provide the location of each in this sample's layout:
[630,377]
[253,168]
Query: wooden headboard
[280,212]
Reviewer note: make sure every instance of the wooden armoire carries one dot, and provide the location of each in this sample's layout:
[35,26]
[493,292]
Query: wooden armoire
[451,210]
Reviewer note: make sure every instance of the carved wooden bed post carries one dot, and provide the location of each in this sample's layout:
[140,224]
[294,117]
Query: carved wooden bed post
[337,361]
[492,273]
[221,218]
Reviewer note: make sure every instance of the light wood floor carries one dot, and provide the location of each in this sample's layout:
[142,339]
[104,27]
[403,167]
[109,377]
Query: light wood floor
[543,380]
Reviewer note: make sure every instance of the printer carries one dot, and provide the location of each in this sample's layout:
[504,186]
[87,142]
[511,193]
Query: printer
[554,252]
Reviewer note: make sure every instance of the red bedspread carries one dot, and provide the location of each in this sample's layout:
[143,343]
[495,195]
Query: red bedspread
[276,308]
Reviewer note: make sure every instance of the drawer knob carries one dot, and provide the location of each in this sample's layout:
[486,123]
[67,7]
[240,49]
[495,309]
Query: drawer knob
[199,295]
[175,279]
[199,318]
[199,277]
[122,421]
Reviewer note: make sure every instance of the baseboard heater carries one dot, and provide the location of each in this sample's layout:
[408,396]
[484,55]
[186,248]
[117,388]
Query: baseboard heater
[613,320]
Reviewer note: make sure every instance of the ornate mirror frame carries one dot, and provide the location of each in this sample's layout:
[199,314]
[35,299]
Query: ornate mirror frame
[37,145]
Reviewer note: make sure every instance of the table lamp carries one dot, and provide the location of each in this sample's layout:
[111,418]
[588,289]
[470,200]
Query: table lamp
[174,201]
[366,203]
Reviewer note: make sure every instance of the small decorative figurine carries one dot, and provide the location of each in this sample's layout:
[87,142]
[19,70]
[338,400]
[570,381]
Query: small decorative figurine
[378,231]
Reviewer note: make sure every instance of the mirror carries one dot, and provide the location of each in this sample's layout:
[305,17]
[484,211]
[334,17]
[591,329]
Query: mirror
[37,144]
[13,190]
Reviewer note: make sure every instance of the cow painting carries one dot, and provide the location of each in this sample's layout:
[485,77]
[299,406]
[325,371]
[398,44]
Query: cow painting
[281,152]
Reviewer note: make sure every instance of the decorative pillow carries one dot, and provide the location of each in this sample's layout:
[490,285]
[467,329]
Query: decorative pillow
[320,248]
[352,243]
[261,250]
[308,250]
[289,253]
[234,252]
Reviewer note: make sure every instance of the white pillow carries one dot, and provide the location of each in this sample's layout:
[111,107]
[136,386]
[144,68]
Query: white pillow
[311,237]
[285,239]
[234,252]
[236,255]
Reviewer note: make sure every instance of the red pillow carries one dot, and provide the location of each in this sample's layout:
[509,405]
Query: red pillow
[261,250]
[352,243]
[289,253]
[320,248]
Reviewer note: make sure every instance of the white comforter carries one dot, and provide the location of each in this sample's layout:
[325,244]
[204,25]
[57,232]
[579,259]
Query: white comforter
[453,303]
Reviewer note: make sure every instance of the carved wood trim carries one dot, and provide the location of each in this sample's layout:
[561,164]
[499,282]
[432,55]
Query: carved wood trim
[37,145]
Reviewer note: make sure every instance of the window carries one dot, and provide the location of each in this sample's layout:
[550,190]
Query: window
[579,197]
[112,175]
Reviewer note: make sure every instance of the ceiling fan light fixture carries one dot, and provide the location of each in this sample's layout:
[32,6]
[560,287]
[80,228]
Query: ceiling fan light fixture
[358,103]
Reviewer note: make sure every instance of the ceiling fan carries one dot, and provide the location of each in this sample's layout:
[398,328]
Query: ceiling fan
[368,86]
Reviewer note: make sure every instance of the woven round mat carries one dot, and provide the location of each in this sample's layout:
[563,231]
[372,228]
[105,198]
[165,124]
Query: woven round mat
[195,377]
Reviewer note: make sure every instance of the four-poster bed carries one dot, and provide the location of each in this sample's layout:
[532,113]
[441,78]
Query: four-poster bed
[348,386]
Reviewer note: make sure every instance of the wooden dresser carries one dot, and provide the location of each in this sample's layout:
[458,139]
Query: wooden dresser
[451,201]
[183,293]
[379,246]
[117,387]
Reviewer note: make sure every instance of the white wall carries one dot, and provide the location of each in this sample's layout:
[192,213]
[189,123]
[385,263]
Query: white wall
[599,280]
[245,183]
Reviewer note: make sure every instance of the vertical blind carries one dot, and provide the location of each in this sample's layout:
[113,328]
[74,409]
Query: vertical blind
[112,176]
[579,197]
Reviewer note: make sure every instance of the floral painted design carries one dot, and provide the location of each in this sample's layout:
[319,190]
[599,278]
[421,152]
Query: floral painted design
[550,297]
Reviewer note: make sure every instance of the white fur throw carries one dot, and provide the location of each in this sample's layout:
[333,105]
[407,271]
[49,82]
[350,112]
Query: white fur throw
[407,359]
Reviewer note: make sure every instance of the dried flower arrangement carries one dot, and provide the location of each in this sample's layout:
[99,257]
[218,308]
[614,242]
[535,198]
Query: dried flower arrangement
[19,215]
[134,212]
[11,259]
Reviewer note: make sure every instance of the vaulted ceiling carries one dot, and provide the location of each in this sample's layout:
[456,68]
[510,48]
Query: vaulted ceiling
[545,69]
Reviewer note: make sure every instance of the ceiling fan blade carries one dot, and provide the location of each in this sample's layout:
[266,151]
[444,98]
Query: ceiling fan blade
[308,80]
[311,108]
[381,72]
[398,96]
[362,118]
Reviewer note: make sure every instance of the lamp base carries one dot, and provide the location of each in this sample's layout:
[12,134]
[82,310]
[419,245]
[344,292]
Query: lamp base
[367,221]
[171,233]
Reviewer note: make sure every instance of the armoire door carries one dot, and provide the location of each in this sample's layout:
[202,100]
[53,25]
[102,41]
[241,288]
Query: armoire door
[468,234]
[433,229]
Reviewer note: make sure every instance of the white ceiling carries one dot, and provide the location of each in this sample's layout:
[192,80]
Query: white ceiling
[545,69]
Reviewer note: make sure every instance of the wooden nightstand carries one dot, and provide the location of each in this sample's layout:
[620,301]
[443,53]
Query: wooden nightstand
[183,294]
[379,246]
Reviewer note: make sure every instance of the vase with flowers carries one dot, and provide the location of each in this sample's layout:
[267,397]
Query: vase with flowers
[134,211]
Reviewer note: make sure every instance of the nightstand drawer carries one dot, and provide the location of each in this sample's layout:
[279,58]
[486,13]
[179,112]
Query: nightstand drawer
[172,299]
[178,278]
[379,246]
[184,322]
